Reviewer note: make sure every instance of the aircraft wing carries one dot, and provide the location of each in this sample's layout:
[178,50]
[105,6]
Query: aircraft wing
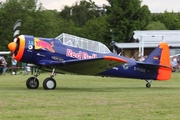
[88,66]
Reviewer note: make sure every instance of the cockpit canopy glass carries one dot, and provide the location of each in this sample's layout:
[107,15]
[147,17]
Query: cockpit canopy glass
[83,43]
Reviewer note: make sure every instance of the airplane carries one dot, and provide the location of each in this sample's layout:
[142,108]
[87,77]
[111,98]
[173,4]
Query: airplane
[70,54]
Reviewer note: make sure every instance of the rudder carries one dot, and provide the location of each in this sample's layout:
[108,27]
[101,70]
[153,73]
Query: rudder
[164,73]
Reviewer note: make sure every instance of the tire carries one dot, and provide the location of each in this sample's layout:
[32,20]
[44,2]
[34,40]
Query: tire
[49,84]
[148,85]
[32,83]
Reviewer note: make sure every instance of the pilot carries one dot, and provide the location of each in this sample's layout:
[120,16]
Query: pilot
[69,42]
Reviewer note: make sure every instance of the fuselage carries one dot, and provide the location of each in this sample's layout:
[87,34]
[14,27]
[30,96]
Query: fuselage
[32,50]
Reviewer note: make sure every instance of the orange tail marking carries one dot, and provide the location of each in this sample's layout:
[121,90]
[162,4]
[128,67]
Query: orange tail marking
[164,73]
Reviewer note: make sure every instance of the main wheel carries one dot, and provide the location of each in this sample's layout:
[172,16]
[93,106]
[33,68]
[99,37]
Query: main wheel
[49,84]
[32,83]
[148,85]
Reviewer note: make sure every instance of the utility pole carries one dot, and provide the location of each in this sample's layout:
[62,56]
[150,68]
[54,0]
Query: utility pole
[112,44]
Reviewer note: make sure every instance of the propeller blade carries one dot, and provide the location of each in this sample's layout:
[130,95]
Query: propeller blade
[16,27]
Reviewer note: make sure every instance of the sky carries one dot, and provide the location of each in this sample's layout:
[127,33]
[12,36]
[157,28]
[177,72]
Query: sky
[155,6]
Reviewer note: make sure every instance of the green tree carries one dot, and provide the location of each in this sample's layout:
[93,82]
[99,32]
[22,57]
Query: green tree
[43,23]
[81,12]
[96,29]
[156,26]
[170,19]
[36,20]
[11,10]
[125,16]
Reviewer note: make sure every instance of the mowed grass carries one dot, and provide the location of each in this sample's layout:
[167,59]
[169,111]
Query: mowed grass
[89,98]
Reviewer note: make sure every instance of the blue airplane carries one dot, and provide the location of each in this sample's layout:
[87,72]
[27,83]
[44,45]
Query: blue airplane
[70,54]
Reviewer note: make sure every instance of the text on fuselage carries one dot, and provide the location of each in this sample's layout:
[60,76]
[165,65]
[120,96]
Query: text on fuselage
[139,69]
[79,55]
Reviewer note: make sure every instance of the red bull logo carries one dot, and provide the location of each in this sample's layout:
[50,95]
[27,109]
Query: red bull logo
[79,55]
[40,44]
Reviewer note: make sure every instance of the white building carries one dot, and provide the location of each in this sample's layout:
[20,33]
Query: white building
[149,39]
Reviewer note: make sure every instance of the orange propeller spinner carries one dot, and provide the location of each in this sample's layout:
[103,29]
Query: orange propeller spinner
[12,46]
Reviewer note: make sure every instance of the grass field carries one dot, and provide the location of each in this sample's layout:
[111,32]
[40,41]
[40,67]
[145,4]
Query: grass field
[89,98]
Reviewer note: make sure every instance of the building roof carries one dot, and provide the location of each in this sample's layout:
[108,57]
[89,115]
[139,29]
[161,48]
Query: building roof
[137,45]
[152,38]
[157,35]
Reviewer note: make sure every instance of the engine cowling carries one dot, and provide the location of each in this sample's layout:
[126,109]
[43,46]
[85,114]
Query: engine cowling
[22,48]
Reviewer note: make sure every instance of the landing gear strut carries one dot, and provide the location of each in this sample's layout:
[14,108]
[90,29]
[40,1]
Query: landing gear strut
[148,85]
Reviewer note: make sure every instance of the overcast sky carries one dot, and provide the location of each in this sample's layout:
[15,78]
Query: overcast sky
[154,5]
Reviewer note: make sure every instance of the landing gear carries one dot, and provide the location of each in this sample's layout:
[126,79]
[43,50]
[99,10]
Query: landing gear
[148,85]
[48,84]
[33,82]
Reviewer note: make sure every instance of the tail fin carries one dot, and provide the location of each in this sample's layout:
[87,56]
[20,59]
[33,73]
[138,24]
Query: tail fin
[161,56]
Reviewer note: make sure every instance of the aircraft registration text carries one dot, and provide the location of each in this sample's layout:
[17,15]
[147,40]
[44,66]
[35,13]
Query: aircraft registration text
[139,69]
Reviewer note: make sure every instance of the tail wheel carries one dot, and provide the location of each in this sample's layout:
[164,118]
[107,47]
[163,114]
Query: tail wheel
[32,83]
[148,85]
[49,84]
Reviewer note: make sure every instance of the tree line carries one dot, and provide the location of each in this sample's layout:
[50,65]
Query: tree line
[84,19]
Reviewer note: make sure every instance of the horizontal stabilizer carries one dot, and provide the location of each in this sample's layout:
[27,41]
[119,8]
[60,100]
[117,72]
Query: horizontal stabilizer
[150,65]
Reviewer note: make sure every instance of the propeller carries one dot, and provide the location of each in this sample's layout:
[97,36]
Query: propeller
[14,46]
[16,29]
